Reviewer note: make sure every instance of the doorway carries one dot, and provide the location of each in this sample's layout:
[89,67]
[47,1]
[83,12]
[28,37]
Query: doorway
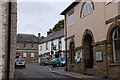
[88,53]
[72,50]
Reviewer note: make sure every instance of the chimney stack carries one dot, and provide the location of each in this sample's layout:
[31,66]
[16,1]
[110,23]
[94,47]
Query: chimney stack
[49,32]
[39,35]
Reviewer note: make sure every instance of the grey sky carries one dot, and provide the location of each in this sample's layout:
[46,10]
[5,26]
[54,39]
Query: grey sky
[39,17]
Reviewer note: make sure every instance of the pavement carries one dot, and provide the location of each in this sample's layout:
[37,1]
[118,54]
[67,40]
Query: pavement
[61,71]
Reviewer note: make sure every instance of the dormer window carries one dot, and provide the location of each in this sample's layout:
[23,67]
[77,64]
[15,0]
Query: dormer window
[87,9]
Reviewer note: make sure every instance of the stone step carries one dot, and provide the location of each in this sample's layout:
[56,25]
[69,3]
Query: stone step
[89,72]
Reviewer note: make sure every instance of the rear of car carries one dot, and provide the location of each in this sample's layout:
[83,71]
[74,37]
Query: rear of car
[62,63]
[20,63]
[55,62]
[46,61]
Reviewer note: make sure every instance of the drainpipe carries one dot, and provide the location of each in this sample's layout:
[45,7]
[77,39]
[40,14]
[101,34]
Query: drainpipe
[9,39]
[65,42]
[107,66]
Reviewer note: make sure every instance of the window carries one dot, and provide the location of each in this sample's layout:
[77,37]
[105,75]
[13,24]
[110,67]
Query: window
[32,55]
[71,19]
[60,44]
[40,48]
[52,45]
[46,45]
[24,55]
[116,45]
[25,45]
[87,8]
[108,1]
[17,46]
[32,45]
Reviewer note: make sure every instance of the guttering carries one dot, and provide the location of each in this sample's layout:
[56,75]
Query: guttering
[69,7]
[65,43]
[9,39]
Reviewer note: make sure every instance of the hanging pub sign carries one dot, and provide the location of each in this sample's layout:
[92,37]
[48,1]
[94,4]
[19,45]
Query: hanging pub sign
[99,56]
[79,56]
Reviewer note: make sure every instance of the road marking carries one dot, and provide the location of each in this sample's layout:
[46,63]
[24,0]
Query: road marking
[51,70]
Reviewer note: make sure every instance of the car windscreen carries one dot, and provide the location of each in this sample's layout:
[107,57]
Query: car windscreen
[20,60]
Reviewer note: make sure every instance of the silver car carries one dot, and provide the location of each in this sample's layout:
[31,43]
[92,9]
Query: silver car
[20,63]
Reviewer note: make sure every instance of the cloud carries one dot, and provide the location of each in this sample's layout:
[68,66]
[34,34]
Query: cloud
[39,17]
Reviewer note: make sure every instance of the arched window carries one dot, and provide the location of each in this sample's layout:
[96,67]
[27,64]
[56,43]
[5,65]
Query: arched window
[87,8]
[116,45]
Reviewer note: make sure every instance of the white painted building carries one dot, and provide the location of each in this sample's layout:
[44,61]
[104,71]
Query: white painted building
[53,45]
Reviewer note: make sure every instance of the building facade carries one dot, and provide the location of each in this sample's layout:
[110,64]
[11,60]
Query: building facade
[53,45]
[8,29]
[27,47]
[92,37]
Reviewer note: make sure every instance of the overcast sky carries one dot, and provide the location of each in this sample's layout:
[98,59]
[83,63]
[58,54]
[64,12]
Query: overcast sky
[39,17]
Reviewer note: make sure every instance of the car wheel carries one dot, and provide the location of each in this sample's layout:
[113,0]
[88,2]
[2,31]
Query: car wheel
[24,66]
[54,65]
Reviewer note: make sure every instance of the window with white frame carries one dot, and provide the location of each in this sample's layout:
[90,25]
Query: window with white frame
[52,45]
[87,8]
[60,44]
[32,55]
[71,19]
[24,55]
[108,1]
[46,45]
[40,48]
[116,45]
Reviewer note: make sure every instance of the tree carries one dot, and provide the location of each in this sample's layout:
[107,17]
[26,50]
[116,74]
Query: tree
[58,26]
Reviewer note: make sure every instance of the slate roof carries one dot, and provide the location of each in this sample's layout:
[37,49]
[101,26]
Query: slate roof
[30,38]
[54,35]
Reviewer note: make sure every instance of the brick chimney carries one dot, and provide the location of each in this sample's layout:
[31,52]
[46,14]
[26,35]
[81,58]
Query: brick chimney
[39,35]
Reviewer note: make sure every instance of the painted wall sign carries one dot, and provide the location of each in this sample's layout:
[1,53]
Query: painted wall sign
[99,56]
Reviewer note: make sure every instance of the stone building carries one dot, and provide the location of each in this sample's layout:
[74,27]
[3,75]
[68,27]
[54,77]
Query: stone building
[27,47]
[92,35]
[8,28]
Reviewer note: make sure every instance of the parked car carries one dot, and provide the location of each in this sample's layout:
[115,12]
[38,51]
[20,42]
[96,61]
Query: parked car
[55,62]
[45,61]
[20,63]
[62,63]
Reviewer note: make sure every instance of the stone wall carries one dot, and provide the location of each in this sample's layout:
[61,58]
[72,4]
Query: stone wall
[4,14]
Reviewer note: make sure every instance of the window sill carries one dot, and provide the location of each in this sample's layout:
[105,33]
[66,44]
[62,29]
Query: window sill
[114,64]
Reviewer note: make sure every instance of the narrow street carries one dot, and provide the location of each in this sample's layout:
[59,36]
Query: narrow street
[34,70]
